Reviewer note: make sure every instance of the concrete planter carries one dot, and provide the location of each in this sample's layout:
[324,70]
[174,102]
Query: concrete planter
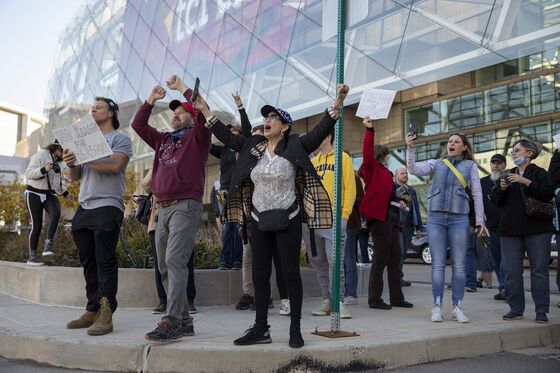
[66,286]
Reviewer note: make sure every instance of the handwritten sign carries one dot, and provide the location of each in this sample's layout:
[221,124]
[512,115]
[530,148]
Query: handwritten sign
[84,139]
[376,103]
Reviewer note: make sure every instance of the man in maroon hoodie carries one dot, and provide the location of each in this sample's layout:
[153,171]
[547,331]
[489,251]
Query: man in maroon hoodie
[178,186]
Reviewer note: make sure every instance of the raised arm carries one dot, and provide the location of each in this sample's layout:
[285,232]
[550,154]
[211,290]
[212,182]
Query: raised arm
[315,137]
[368,162]
[424,169]
[140,123]
[245,123]
[222,133]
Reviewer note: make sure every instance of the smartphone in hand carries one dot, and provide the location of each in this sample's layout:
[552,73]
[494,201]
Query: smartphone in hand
[195,90]
[413,128]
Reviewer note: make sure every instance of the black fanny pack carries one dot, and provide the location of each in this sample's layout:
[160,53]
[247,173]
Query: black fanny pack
[275,220]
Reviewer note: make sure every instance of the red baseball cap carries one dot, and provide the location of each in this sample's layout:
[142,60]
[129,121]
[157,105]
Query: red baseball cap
[176,103]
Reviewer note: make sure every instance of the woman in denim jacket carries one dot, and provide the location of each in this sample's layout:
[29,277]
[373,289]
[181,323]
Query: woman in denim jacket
[448,216]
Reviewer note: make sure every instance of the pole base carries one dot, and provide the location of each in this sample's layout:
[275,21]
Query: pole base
[338,334]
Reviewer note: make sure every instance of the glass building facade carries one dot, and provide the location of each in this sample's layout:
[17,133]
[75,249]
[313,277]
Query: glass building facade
[282,52]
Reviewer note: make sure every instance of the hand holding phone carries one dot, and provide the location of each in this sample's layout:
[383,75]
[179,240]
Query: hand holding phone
[413,129]
[195,90]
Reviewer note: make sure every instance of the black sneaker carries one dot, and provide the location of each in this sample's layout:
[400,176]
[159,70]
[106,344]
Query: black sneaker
[34,260]
[187,327]
[405,283]
[254,335]
[470,290]
[244,302]
[541,318]
[48,248]
[512,316]
[166,330]
[403,303]
[296,340]
[500,296]
[380,305]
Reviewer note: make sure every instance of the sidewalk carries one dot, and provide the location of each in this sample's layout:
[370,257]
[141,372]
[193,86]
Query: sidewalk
[391,338]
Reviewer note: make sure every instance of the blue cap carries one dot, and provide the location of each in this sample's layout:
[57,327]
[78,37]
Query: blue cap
[284,115]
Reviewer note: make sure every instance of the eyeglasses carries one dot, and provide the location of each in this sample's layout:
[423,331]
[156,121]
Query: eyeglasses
[515,150]
[270,118]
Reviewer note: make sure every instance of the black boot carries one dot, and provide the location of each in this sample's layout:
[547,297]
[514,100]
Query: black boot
[296,340]
[256,334]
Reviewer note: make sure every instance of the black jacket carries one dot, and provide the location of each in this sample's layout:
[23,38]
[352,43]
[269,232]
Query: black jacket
[227,156]
[491,211]
[513,219]
[554,170]
[312,198]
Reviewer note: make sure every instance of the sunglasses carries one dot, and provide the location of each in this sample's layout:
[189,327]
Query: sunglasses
[271,118]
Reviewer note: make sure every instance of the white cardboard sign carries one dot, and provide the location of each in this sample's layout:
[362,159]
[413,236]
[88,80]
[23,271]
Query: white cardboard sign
[84,139]
[375,103]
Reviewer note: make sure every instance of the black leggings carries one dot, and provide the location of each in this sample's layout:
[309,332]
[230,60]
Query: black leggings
[287,245]
[35,207]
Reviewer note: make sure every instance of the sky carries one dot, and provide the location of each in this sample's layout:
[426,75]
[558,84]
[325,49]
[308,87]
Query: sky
[29,33]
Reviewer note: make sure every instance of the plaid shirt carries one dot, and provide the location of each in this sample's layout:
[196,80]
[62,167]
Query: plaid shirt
[311,196]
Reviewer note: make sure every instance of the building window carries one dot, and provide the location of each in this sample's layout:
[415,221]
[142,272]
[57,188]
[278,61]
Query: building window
[427,117]
[464,111]
[519,98]
[495,104]
[542,94]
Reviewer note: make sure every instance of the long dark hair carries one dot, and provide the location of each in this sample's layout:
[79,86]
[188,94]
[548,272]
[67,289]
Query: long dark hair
[467,153]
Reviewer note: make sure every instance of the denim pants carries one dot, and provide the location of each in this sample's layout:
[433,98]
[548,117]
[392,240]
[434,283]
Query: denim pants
[471,262]
[405,242]
[448,230]
[232,246]
[496,251]
[537,247]
[350,268]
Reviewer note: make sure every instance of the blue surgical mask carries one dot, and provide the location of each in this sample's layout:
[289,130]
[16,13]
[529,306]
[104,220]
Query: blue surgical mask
[519,161]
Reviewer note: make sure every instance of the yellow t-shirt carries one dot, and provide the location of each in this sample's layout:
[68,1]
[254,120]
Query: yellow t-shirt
[324,165]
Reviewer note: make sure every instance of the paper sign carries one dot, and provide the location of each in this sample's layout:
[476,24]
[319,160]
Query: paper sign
[84,139]
[376,103]
[557,140]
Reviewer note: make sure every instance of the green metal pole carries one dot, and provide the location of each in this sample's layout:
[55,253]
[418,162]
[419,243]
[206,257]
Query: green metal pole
[337,250]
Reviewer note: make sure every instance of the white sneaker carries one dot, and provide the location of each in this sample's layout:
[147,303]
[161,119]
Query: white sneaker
[344,314]
[350,300]
[324,310]
[459,316]
[284,307]
[437,314]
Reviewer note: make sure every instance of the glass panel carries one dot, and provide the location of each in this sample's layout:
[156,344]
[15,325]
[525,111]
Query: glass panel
[495,104]
[539,132]
[254,100]
[427,117]
[519,100]
[147,83]
[162,25]
[224,82]
[433,150]
[312,9]
[234,45]
[148,11]
[465,111]
[180,37]
[140,41]
[542,94]
[297,93]
[171,66]
[134,68]
[209,24]
[550,58]
[275,25]
[529,64]
[201,60]
[154,59]
[484,142]
[244,12]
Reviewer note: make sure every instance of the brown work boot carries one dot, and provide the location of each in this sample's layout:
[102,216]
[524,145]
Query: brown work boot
[103,323]
[84,321]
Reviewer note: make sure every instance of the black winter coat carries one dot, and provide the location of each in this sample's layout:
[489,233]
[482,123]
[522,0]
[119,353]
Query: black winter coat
[514,221]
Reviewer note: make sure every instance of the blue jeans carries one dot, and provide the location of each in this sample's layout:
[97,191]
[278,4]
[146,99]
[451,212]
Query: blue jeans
[232,246]
[471,262]
[448,230]
[405,241]
[537,247]
[350,268]
[496,251]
